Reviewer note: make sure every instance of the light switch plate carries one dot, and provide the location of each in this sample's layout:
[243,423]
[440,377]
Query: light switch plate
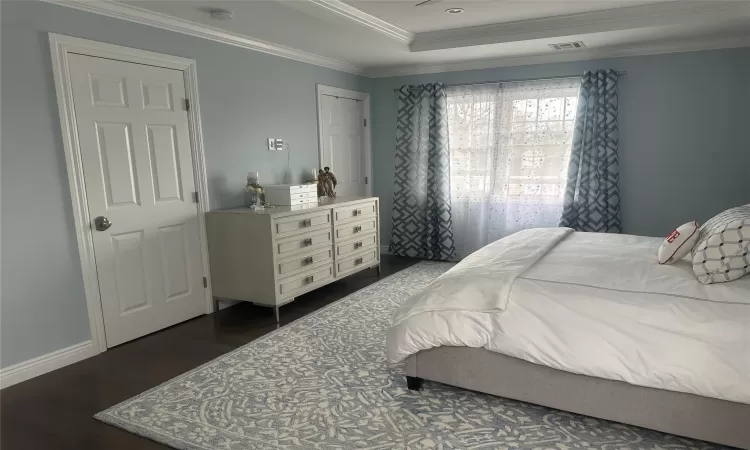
[275,144]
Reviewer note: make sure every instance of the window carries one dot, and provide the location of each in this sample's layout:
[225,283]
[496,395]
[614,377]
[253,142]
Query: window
[532,159]
[510,148]
[519,137]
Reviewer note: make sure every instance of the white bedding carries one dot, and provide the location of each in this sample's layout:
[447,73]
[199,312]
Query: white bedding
[588,303]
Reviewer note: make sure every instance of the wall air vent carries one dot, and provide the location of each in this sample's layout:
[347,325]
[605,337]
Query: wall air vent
[568,45]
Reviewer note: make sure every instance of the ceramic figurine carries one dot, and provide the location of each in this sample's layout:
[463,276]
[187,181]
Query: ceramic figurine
[326,183]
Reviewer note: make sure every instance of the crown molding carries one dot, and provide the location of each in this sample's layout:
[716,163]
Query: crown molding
[365,19]
[566,56]
[165,22]
[643,16]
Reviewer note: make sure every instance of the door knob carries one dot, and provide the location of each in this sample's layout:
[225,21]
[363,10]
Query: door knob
[102,223]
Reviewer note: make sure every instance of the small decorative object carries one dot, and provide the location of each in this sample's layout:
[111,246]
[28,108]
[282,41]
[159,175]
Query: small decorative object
[679,243]
[326,183]
[314,178]
[253,191]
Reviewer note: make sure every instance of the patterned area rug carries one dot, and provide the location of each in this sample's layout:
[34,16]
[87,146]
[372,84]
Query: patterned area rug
[322,383]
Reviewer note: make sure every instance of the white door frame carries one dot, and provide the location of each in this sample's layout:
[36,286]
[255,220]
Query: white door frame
[353,95]
[60,47]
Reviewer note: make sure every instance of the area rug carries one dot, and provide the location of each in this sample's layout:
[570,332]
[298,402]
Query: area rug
[322,382]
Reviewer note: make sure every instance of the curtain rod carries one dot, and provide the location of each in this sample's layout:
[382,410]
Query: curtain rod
[619,73]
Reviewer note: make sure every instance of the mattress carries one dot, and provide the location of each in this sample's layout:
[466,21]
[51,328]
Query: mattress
[592,304]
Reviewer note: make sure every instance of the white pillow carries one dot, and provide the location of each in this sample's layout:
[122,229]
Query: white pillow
[722,252]
[678,243]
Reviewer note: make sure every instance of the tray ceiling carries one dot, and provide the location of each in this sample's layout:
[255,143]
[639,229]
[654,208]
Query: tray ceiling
[382,38]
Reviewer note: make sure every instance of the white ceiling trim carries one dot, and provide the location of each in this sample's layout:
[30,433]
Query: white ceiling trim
[566,56]
[650,15]
[166,22]
[365,19]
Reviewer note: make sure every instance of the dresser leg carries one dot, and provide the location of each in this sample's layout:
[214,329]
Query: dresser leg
[378,269]
[276,310]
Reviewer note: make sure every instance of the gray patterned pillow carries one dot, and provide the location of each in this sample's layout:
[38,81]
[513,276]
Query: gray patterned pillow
[722,251]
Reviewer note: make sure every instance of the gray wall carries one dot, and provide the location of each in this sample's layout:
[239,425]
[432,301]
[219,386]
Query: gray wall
[684,146]
[683,121]
[245,97]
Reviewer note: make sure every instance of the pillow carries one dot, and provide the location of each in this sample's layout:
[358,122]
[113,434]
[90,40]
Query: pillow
[678,243]
[721,253]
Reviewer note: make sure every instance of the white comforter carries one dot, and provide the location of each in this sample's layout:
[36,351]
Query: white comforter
[588,303]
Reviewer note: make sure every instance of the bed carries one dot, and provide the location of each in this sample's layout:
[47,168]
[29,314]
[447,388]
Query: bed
[589,323]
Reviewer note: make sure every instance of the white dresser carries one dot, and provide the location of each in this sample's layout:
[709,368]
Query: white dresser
[269,257]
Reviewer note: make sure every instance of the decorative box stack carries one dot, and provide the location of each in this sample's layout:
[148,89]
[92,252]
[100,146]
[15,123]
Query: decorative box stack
[291,194]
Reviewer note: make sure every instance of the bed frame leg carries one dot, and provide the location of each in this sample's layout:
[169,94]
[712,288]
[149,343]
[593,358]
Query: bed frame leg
[414,383]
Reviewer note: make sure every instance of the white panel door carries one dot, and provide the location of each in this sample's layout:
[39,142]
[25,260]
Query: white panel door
[138,171]
[343,143]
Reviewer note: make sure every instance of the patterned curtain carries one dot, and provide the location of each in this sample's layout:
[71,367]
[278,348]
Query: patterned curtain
[421,194]
[592,194]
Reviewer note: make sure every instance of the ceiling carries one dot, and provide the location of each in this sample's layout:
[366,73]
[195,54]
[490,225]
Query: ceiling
[432,17]
[393,37]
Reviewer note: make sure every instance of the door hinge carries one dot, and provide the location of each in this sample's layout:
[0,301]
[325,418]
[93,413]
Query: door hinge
[196,199]
[187,104]
[365,122]
[205,282]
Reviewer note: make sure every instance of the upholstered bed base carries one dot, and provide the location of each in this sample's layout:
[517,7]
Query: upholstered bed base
[704,418]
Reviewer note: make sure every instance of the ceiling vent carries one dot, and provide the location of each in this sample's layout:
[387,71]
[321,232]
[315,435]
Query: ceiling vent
[568,45]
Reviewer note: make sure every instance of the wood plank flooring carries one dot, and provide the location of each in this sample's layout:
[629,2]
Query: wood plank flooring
[54,411]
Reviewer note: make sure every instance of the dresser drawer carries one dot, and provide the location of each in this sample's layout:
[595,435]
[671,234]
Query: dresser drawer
[354,245]
[357,261]
[305,261]
[302,222]
[289,286]
[307,241]
[351,212]
[354,229]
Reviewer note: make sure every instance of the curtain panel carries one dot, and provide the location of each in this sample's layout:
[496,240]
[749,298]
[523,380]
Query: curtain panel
[592,194]
[422,220]
[509,150]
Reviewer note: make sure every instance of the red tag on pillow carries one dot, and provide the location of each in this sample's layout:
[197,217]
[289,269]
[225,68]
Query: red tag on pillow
[672,236]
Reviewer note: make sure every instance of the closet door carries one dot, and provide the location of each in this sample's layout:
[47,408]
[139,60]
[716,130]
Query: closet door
[343,138]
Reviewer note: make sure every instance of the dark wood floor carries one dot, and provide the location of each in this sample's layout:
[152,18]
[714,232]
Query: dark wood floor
[54,411]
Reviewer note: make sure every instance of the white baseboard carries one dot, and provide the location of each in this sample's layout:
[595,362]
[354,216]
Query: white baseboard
[46,363]
[226,303]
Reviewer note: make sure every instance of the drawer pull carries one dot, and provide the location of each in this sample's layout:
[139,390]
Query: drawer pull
[357,212]
[358,228]
[306,223]
[308,260]
[309,279]
[358,244]
[307,241]
[358,261]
